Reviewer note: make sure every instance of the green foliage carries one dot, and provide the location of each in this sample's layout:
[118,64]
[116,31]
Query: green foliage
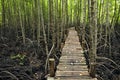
[27,6]
[20,57]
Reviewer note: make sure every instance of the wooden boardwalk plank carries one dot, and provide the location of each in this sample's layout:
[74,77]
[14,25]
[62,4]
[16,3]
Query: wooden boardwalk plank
[76,77]
[73,54]
[71,73]
[75,60]
[72,67]
[73,57]
[72,64]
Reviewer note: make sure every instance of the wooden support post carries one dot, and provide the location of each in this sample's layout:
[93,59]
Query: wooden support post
[52,67]
[92,70]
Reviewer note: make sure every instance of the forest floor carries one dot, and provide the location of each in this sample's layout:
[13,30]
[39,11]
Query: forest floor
[108,64]
[19,62]
[109,68]
[22,62]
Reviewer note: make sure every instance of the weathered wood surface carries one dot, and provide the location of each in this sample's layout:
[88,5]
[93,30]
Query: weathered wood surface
[72,64]
[52,67]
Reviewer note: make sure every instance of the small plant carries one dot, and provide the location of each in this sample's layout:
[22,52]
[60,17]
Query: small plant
[20,57]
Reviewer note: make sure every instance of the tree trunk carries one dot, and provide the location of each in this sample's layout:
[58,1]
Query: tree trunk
[93,35]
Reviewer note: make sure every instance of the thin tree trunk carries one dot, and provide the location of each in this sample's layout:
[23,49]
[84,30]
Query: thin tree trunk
[84,25]
[21,24]
[38,20]
[93,35]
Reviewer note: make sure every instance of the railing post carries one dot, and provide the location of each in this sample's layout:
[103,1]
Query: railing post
[51,69]
[92,70]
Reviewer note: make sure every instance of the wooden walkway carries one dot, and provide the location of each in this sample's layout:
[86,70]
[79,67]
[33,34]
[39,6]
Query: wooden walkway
[72,64]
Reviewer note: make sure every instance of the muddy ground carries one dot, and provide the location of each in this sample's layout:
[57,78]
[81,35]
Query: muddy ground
[27,62]
[20,61]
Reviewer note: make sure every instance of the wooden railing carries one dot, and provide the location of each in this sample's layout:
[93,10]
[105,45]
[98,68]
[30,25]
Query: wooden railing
[51,69]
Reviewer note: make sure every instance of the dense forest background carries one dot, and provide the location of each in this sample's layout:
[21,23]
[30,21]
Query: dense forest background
[32,31]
